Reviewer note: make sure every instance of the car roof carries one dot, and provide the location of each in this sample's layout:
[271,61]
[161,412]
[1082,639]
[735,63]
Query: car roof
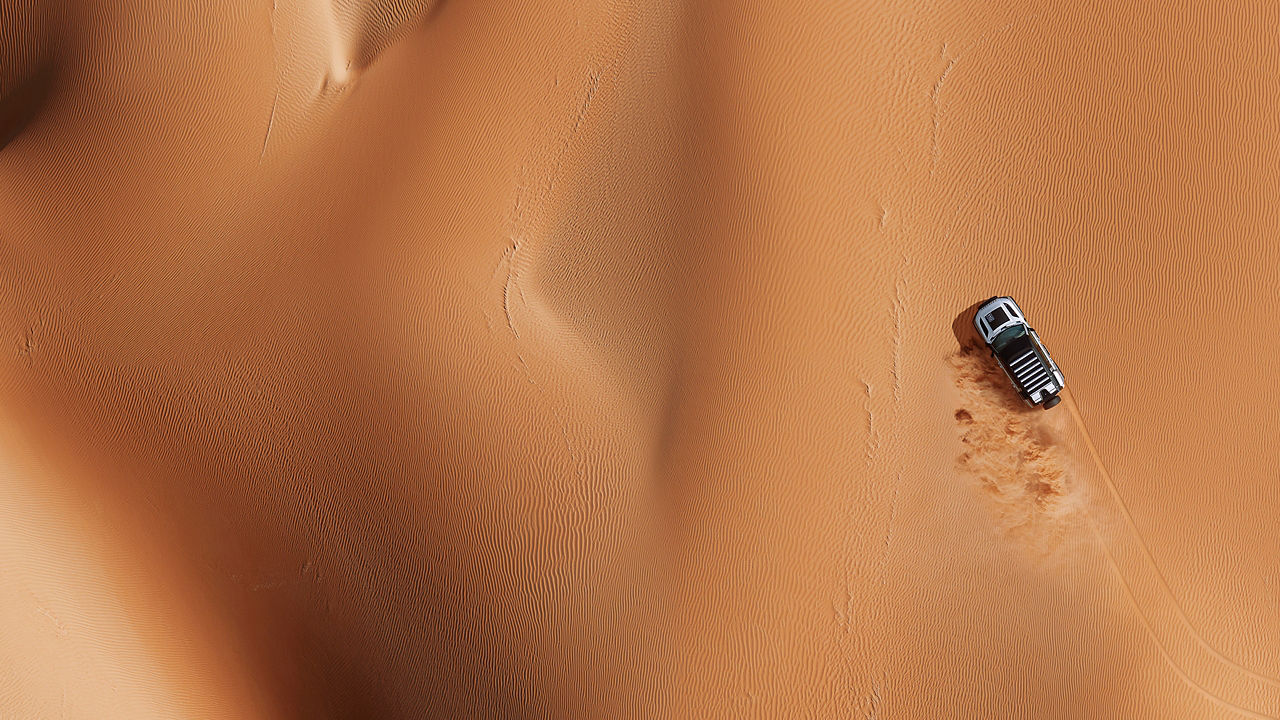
[991,304]
[991,301]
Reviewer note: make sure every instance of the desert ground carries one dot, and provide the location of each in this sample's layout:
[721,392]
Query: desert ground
[612,359]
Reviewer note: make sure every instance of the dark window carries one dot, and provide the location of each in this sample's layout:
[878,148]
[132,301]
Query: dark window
[997,318]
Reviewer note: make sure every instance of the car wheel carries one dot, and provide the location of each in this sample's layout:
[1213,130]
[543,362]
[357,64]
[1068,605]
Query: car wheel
[1052,401]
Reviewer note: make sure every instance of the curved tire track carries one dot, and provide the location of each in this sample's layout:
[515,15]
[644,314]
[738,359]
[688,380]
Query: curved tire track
[1263,684]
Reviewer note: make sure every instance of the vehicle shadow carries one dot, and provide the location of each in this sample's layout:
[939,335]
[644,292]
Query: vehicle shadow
[981,367]
[962,327]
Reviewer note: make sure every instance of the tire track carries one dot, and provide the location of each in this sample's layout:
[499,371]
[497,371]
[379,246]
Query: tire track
[1164,651]
[1224,663]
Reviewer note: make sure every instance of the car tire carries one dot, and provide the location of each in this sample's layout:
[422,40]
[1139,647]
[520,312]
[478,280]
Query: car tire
[1052,401]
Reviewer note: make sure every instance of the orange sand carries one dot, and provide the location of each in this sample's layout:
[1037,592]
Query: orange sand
[375,359]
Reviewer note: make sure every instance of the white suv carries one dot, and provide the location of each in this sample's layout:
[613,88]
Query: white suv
[1018,349]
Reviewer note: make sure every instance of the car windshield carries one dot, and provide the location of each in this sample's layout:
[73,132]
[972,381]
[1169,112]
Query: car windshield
[1006,336]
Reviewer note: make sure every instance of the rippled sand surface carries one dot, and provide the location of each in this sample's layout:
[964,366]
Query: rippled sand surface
[376,359]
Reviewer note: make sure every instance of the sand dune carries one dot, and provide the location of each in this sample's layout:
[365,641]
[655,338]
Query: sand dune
[373,359]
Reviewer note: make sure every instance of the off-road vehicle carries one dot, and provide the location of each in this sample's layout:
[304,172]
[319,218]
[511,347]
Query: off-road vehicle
[1018,349]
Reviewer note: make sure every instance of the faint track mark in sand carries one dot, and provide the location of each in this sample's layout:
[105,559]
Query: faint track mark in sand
[1132,528]
[937,111]
[935,95]
[899,307]
[507,261]
[844,608]
[328,44]
[58,626]
[271,121]
[593,85]
[869,708]
[873,440]
[30,345]
[531,195]
[275,81]
[883,571]
[508,258]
